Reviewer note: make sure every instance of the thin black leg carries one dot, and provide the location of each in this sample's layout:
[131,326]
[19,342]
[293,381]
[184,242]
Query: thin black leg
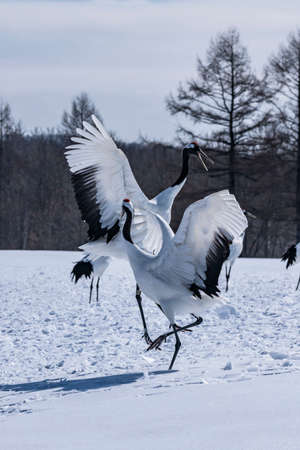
[177,347]
[298,284]
[227,277]
[138,296]
[97,290]
[163,337]
[91,290]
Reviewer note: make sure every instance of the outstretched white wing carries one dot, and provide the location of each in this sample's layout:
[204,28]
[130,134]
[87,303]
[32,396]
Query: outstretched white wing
[146,232]
[201,245]
[102,178]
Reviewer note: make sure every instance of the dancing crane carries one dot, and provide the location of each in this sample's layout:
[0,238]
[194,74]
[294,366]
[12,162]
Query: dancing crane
[102,177]
[183,276]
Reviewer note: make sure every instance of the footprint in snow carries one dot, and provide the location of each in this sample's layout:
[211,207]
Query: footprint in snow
[225,311]
[278,355]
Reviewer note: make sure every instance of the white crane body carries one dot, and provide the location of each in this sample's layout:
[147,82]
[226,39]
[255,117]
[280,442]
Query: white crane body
[183,277]
[166,277]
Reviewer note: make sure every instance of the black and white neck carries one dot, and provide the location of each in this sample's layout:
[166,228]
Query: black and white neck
[185,168]
[127,225]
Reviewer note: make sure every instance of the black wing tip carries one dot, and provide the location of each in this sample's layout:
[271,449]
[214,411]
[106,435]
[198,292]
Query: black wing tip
[195,290]
[216,256]
[85,189]
[290,256]
[80,269]
[84,186]
[211,291]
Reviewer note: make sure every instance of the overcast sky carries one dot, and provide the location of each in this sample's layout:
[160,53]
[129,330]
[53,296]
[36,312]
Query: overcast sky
[126,54]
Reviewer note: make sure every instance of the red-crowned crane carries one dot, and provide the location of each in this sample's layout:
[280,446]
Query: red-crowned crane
[183,277]
[90,268]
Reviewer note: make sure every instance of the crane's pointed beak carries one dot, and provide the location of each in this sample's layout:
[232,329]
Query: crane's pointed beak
[202,156]
[252,216]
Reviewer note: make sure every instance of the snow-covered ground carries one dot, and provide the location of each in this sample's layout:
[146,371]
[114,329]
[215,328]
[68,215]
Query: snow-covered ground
[76,376]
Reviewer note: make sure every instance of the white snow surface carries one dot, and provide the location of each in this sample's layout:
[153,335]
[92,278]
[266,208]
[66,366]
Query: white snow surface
[76,376]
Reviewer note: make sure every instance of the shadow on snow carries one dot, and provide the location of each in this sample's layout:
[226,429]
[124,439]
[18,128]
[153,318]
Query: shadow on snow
[82,385]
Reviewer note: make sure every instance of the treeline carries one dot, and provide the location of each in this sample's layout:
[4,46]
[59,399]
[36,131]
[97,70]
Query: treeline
[249,125]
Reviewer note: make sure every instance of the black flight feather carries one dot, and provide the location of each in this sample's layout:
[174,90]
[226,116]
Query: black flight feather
[85,188]
[81,268]
[217,254]
[290,256]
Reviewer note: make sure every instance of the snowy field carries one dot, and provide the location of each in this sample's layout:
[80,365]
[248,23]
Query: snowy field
[76,376]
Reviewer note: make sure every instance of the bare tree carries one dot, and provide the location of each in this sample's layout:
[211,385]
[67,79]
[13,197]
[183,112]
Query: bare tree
[283,74]
[8,129]
[37,186]
[6,124]
[225,101]
[81,109]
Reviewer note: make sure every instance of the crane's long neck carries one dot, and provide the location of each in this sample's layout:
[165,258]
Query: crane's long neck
[127,226]
[184,168]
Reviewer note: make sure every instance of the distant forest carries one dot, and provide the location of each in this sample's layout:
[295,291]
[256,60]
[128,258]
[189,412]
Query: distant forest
[249,125]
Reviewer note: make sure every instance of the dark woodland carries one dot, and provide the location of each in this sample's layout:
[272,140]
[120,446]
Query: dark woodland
[249,125]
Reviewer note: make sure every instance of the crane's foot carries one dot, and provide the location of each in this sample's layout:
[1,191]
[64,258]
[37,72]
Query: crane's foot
[155,345]
[178,328]
[147,338]
[162,338]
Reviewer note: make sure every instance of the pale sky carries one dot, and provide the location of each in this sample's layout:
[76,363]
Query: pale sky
[128,55]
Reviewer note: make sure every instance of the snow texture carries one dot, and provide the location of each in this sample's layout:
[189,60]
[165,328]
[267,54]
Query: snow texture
[76,376]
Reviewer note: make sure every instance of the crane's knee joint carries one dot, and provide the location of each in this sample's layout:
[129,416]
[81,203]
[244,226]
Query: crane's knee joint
[177,345]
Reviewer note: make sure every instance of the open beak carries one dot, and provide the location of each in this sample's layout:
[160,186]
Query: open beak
[203,156]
